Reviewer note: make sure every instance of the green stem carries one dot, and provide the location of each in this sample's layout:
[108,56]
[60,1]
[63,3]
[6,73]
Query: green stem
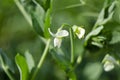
[71,42]
[21,8]
[5,68]
[41,60]
[8,73]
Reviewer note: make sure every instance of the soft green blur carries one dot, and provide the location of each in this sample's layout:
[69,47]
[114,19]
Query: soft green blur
[17,36]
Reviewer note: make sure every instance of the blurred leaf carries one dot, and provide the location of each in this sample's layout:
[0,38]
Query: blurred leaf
[109,13]
[34,13]
[6,62]
[100,17]
[48,20]
[93,71]
[30,61]
[47,23]
[72,75]
[98,44]
[37,14]
[7,65]
[93,33]
[117,12]
[112,7]
[106,11]
[98,41]
[36,25]
[59,57]
[115,37]
[47,4]
[23,11]
[22,66]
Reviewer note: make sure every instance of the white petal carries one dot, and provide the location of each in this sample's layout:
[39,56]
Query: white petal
[108,66]
[109,58]
[62,33]
[57,42]
[81,32]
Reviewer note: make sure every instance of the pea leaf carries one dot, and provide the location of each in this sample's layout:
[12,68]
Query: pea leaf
[93,33]
[5,61]
[7,65]
[59,57]
[22,66]
[116,37]
[37,15]
[95,69]
[72,75]
[34,13]
[23,11]
[48,20]
[100,17]
[29,60]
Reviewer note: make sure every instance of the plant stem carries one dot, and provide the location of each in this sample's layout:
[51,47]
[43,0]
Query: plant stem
[41,60]
[21,8]
[5,68]
[8,73]
[71,42]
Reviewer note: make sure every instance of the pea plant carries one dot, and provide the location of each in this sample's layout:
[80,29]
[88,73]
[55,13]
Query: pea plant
[97,45]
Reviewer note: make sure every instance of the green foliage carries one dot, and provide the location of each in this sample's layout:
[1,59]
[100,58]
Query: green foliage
[73,52]
[90,68]
[6,64]
[93,33]
[116,37]
[29,60]
[22,66]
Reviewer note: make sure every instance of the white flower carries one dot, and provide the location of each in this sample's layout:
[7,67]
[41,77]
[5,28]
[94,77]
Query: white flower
[79,31]
[109,63]
[108,66]
[58,37]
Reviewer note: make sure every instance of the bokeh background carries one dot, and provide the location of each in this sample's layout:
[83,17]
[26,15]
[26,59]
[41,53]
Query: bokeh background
[17,36]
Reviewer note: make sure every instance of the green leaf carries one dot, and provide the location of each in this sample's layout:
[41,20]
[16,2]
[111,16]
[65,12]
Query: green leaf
[107,10]
[98,44]
[98,41]
[47,23]
[93,33]
[93,71]
[100,17]
[23,11]
[72,75]
[30,61]
[110,13]
[37,15]
[47,4]
[112,7]
[59,57]
[34,13]
[7,65]
[115,37]
[48,18]
[36,25]
[5,61]
[22,66]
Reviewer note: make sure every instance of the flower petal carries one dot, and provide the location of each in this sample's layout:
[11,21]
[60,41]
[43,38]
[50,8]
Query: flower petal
[81,32]
[108,66]
[109,58]
[62,33]
[57,42]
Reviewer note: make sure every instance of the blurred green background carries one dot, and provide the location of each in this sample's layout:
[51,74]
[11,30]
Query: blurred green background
[17,36]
